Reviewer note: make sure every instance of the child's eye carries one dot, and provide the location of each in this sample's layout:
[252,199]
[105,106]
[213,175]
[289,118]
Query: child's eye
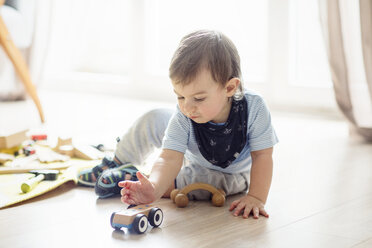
[199,99]
[180,98]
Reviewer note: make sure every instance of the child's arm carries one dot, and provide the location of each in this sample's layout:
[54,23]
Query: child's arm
[261,175]
[147,190]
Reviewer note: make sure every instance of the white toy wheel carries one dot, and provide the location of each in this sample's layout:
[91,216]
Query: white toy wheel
[140,223]
[155,217]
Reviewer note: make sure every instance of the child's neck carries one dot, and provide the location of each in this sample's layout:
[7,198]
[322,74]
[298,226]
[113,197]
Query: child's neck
[222,118]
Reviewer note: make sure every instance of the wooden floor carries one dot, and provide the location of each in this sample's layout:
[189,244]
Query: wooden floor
[321,194]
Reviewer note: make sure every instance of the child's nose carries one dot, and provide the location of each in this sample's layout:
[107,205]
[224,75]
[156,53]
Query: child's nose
[189,107]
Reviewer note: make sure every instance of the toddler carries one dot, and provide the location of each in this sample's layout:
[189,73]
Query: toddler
[219,134]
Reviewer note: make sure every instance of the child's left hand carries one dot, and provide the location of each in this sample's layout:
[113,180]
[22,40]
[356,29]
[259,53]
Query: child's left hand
[248,204]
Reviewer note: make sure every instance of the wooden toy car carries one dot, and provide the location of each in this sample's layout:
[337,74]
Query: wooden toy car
[180,196]
[136,218]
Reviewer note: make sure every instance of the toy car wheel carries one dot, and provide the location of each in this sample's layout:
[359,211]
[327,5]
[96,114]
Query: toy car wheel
[155,217]
[140,223]
[181,200]
[174,194]
[218,199]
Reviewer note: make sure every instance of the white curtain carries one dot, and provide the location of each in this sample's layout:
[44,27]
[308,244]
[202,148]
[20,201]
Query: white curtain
[40,42]
[347,29]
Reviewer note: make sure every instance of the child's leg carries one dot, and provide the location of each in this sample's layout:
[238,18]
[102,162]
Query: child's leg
[134,147]
[142,138]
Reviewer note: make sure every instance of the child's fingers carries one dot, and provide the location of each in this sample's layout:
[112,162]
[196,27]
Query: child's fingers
[124,199]
[122,184]
[126,184]
[124,191]
[256,212]
[127,200]
[142,178]
[264,213]
[247,211]
[239,209]
[234,204]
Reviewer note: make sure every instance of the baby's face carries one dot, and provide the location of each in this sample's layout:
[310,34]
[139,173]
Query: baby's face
[203,99]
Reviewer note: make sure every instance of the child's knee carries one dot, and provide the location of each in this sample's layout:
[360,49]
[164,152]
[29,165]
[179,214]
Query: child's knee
[159,115]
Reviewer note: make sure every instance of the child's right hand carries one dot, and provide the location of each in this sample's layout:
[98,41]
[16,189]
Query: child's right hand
[137,192]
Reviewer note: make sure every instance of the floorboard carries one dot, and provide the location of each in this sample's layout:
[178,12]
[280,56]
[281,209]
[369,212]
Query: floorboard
[321,194]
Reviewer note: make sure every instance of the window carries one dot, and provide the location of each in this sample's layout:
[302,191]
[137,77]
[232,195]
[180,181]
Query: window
[125,46]
[244,22]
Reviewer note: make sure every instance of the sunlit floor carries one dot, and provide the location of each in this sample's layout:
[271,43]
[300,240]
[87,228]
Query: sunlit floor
[321,194]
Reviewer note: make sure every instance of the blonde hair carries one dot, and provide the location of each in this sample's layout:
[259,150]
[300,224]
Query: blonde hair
[206,49]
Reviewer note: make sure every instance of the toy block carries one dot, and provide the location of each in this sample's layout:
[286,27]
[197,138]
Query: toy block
[66,150]
[66,147]
[28,150]
[87,152]
[14,139]
[63,142]
[36,137]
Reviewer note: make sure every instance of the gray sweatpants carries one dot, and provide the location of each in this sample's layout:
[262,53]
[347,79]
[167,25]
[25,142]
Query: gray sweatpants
[147,133]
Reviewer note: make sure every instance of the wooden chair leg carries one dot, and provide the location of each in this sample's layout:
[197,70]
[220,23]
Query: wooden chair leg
[20,66]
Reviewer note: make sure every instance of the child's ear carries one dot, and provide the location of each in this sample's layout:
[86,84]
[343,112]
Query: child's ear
[231,86]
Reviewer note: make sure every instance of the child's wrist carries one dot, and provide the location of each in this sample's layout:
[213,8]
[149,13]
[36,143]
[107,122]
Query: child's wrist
[256,197]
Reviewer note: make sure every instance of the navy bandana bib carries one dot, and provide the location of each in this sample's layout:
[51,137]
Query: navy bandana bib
[222,144]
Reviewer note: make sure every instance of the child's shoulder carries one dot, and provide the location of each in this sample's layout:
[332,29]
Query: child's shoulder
[251,93]
[253,97]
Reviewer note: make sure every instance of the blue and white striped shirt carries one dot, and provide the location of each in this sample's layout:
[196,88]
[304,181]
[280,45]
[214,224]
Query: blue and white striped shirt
[179,136]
